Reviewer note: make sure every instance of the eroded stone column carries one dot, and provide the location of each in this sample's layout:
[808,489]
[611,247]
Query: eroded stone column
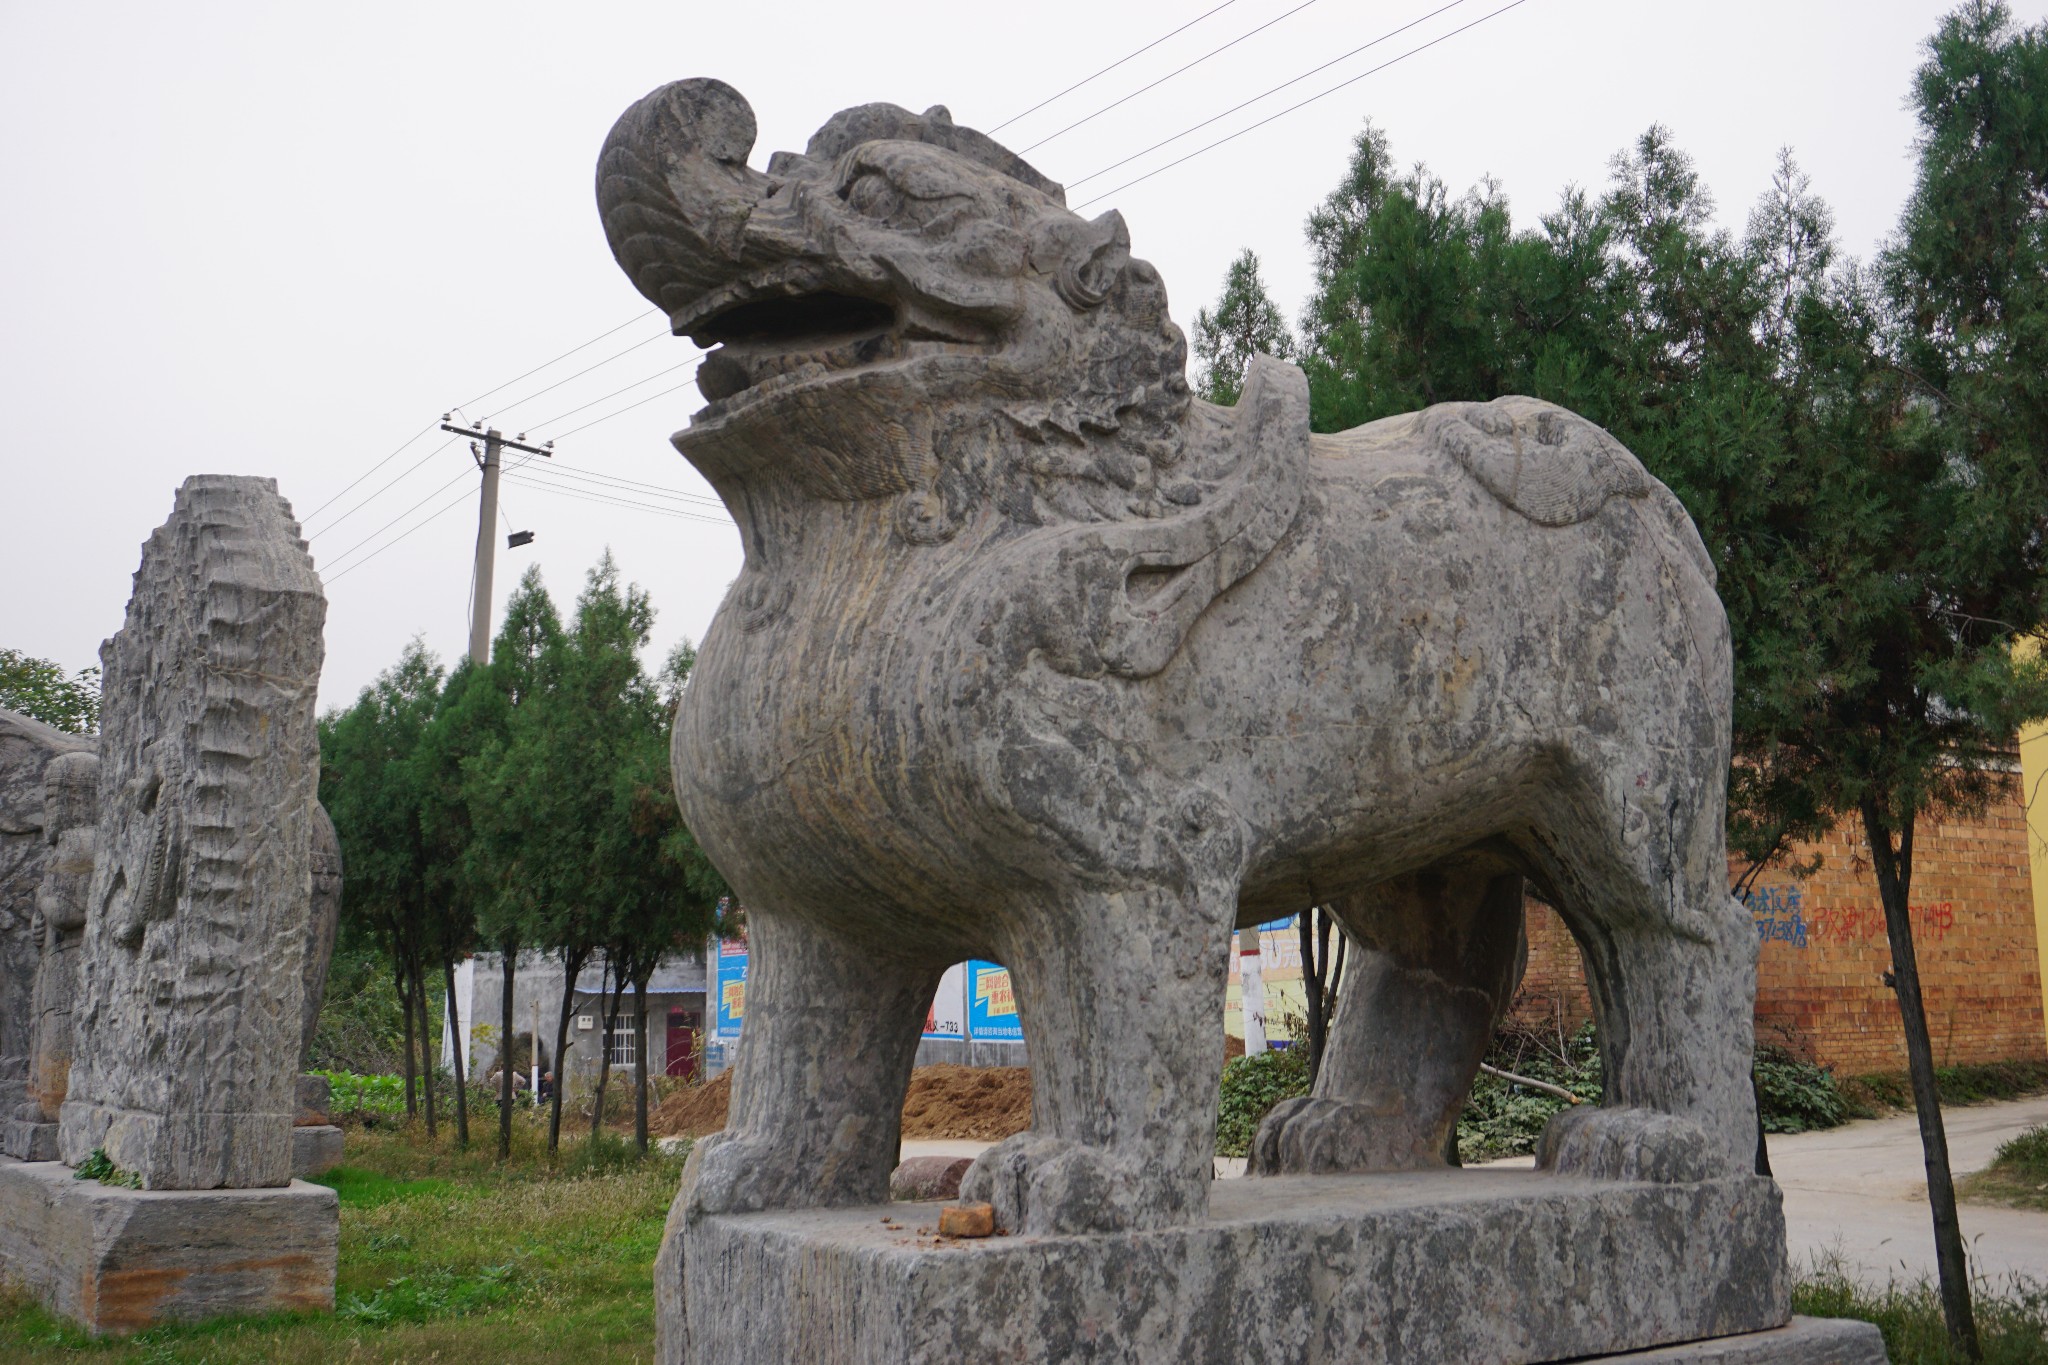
[188,1020]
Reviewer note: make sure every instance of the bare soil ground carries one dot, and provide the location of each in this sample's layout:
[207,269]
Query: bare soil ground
[980,1103]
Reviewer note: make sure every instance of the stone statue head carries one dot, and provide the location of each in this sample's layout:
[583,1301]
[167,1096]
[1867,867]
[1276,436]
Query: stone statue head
[905,309]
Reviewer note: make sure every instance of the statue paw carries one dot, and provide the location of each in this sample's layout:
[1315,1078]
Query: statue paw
[729,1173]
[1627,1144]
[1043,1185]
[1317,1136]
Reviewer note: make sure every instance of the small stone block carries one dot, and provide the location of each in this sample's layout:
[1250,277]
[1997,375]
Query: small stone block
[927,1178]
[315,1149]
[967,1220]
[25,1140]
[315,1101]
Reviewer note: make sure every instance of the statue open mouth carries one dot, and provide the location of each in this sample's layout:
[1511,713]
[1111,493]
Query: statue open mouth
[766,346]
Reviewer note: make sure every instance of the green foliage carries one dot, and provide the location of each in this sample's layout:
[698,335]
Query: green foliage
[352,1095]
[1979,1083]
[38,688]
[2027,1153]
[1252,1085]
[99,1166]
[1502,1118]
[359,1028]
[2012,1319]
[1246,322]
[435,1293]
[1793,1095]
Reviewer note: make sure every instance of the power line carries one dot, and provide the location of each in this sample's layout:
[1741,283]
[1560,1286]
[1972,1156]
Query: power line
[605,500]
[560,358]
[1167,77]
[1390,33]
[438,513]
[402,516]
[367,473]
[1111,67]
[1512,4]
[628,408]
[550,421]
[610,483]
[579,374]
[383,488]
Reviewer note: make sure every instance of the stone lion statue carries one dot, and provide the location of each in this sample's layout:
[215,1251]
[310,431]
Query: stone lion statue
[1038,658]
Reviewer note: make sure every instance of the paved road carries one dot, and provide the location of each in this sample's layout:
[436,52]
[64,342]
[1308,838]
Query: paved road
[1860,1192]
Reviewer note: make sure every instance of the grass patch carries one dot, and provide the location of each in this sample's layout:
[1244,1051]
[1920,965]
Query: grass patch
[2012,1321]
[2017,1176]
[448,1256]
[1891,1092]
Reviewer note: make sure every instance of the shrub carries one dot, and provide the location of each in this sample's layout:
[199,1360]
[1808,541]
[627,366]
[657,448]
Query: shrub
[1252,1085]
[1794,1096]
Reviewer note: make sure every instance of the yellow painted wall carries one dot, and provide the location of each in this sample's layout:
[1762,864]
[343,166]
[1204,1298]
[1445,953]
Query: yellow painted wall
[2034,795]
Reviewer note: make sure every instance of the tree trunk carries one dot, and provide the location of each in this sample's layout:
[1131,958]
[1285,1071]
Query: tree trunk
[640,1059]
[1311,991]
[611,1024]
[419,977]
[572,967]
[1894,868]
[456,1053]
[510,949]
[405,1010]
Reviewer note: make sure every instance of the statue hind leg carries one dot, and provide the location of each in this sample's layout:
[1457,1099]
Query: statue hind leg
[1435,959]
[1635,860]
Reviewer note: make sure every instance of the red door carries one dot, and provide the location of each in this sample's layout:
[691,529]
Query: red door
[682,1042]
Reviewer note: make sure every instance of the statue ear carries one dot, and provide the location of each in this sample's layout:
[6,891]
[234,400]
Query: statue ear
[1084,258]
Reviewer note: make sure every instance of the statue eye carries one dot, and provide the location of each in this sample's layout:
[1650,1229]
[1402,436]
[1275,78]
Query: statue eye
[871,194]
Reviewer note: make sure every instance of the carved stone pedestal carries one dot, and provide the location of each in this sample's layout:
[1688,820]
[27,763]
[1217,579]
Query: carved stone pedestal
[120,1260]
[1471,1266]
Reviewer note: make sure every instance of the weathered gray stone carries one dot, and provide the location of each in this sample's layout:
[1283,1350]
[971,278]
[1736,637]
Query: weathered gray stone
[1035,657]
[71,825]
[188,1022]
[1802,1341]
[928,1177]
[314,1102]
[325,920]
[316,1147]
[120,1260]
[1467,1266]
[26,748]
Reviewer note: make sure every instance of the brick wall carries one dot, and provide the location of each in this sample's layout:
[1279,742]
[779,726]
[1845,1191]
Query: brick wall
[1820,987]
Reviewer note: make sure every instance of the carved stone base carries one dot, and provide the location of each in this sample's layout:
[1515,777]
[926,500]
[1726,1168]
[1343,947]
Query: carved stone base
[1802,1341]
[1470,1266]
[28,1141]
[120,1260]
[315,1148]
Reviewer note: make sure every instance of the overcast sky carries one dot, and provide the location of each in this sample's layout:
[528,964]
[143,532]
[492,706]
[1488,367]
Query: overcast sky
[282,239]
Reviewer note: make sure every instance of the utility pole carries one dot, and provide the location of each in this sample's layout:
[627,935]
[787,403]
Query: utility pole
[487,459]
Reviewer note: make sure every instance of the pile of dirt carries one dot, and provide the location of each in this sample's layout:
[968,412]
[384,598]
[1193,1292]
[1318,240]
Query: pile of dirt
[981,1103]
[693,1110]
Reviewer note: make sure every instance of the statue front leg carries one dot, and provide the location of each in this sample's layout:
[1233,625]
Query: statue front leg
[1120,994]
[832,1028]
